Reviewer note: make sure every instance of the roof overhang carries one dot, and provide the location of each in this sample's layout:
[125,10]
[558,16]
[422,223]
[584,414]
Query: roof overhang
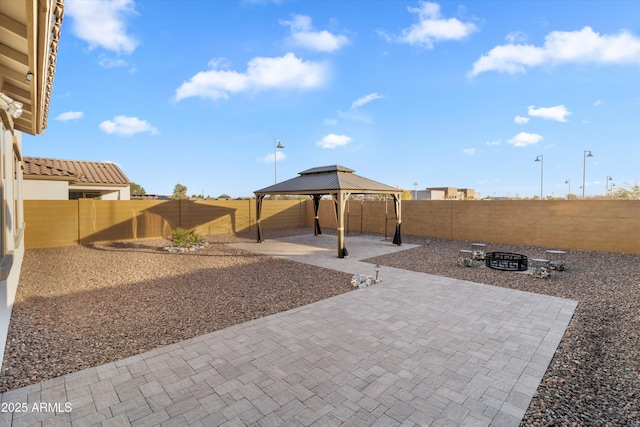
[29,35]
[49,178]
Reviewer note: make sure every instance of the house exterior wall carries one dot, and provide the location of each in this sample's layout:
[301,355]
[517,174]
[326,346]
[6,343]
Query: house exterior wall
[40,189]
[108,192]
[37,189]
[12,227]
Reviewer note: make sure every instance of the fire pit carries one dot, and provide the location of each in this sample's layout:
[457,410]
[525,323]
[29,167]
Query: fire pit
[506,261]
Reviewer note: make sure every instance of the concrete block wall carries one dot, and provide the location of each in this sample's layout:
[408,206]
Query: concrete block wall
[52,223]
[605,225]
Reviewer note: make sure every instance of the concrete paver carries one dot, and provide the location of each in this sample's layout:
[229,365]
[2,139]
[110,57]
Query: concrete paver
[415,349]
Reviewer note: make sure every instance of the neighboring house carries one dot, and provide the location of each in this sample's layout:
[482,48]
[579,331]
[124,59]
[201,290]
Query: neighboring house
[55,179]
[29,35]
[447,193]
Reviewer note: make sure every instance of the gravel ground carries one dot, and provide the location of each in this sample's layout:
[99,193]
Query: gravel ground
[79,307]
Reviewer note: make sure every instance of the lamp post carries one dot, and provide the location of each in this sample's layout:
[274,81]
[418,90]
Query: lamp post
[415,193]
[540,159]
[569,193]
[277,144]
[606,194]
[587,153]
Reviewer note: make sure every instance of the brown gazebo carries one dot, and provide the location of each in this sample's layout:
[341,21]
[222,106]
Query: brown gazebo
[338,182]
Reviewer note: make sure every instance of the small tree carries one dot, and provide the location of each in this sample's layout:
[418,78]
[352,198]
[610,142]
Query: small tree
[136,189]
[224,196]
[179,192]
[406,195]
[628,192]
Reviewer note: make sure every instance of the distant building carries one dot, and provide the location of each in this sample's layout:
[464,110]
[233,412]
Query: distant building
[446,193]
[55,179]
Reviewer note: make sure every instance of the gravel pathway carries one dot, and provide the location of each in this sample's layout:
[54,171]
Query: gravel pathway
[79,307]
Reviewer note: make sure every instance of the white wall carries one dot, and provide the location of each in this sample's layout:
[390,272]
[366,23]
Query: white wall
[108,192]
[36,189]
[12,229]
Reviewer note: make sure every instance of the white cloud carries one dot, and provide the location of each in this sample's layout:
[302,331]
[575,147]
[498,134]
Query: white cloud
[598,103]
[365,100]
[330,122]
[279,155]
[432,27]
[558,113]
[516,37]
[70,115]
[495,142]
[105,62]
[469,151]
[332,141]
[524,138]
[303,35]
[127,126]
[584,46]
[285,72]
[521,120]
[101,23]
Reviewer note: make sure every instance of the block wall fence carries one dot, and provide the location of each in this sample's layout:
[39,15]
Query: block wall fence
[604,225]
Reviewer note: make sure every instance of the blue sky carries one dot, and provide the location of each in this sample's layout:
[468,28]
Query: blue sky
[463,94]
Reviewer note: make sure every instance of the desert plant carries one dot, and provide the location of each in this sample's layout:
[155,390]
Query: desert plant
[185,238]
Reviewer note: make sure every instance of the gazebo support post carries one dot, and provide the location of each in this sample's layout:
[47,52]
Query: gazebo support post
[316,208]
[259,200]
[340,198]
[397,237]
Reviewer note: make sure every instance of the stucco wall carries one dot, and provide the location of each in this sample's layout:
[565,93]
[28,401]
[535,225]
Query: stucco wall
[36,189]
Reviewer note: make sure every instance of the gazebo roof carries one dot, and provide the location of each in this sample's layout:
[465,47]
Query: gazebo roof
[328,179]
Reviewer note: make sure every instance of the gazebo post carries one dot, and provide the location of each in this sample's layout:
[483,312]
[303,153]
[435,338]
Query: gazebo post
[259,200]
[342,249]
[397,237]
[316,220]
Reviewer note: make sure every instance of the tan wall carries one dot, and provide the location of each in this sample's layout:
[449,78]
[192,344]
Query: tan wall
[612,226]
[52,223]
[605,225]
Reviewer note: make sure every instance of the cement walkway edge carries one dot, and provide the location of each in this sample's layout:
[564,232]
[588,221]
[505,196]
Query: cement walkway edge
[415,349]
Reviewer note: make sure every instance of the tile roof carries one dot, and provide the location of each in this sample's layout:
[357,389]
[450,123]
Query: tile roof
[83,172]
[326,179]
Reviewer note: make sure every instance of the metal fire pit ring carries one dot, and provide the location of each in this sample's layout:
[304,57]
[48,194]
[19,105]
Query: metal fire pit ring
[506,261]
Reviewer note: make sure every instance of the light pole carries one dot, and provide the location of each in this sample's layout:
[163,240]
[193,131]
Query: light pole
[277,144]
[415,193]
[540,159]
[587,153]
[569,193]
[606,194]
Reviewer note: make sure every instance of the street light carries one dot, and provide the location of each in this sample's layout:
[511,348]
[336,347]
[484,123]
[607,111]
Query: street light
[606,194]
[278,144]
[569,193]
[415,193]
[587,153]
[540,159]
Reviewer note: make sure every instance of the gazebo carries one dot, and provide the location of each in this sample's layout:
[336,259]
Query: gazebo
[337,181]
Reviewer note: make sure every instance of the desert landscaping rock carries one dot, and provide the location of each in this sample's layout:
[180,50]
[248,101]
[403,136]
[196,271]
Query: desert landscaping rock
[79,307]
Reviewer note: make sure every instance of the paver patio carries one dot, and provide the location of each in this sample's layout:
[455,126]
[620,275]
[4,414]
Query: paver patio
[415,349]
